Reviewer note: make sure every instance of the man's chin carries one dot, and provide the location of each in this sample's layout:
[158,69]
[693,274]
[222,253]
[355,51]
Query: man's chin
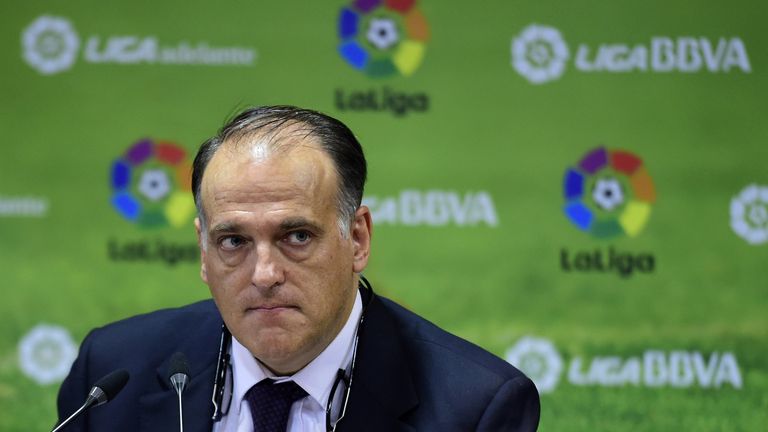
[274,348]
[280,360]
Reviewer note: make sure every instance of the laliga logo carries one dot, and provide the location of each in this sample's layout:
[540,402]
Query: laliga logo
[50,45]
[539,359]
[383,38]
[539,54]
[609,193]
[151,184]
[749,214]
[46,353]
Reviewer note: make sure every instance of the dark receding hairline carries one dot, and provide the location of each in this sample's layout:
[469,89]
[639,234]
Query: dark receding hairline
[333,136]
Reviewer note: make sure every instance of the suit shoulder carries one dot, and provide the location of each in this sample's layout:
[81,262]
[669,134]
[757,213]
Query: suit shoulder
[428,337]
[158,326]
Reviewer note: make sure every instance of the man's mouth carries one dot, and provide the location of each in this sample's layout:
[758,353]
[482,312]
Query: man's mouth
[271,308]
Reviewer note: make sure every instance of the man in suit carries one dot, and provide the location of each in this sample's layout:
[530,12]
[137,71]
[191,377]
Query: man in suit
[283,239]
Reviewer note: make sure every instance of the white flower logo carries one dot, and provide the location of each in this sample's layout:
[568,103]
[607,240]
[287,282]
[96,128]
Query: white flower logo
[46,353]
[539,53]
[538,358]
[749,214]
[50,44]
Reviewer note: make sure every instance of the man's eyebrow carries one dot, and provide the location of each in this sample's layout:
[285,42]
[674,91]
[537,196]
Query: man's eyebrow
[225,227]
[300,222]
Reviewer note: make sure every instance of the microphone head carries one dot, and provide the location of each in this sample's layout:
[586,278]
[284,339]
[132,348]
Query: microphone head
[112,383]
[178,372]
[178,365]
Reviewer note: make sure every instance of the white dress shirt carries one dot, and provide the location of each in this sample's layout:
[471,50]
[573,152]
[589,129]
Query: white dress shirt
[316,378]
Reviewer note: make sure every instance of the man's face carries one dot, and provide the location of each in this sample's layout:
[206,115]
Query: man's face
[280,271]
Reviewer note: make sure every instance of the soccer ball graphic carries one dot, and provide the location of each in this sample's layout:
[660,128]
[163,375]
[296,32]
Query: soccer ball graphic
[382,33]
[608,194]
[154,184]
[382,39]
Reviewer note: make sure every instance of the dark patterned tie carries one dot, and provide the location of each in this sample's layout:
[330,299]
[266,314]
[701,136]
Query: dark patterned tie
[270,404]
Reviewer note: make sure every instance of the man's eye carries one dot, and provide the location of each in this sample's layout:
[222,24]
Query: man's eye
[299,237]
[231,243]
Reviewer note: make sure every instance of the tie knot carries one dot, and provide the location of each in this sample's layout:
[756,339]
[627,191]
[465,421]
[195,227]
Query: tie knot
[270,404]
[287,390]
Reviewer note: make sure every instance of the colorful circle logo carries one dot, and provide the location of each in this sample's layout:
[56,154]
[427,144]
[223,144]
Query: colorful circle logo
[609,193]
[383,37]
[151,184]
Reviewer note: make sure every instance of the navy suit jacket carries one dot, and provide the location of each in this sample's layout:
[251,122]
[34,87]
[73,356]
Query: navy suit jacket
[410,376]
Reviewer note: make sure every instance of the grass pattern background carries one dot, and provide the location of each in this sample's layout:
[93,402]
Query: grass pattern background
[702,137]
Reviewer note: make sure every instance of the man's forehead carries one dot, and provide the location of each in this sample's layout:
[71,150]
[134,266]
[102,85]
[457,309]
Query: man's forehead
[259,151]
[251,173]
[263,143]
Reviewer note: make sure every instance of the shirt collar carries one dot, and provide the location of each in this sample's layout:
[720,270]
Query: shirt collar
[316,378]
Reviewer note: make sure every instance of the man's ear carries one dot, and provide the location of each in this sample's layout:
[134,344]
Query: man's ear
[362,230]
[203,271]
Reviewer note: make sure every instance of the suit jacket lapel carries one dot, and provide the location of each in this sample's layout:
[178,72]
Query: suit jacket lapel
[159,409]
[382,387]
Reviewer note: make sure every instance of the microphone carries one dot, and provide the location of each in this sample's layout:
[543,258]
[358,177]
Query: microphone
[178,374]
[103,391]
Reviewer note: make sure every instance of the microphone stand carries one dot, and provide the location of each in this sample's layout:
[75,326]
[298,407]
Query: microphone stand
[95,395]
[179,381]
[103,391]
[181,415]
[179,377]
[76,413]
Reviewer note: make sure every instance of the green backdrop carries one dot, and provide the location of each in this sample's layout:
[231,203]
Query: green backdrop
[629,282]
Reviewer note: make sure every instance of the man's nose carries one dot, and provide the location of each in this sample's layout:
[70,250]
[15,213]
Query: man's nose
[268,271]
